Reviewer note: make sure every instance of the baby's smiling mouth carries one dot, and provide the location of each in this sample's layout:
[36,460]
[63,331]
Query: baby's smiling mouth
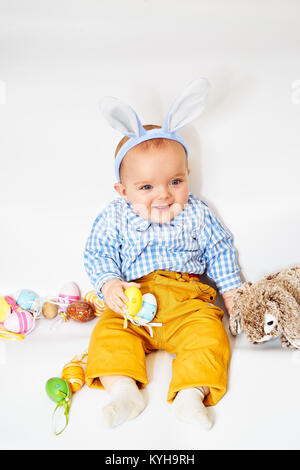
[162,207]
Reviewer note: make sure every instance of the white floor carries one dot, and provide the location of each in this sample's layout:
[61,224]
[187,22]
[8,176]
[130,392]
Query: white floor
[261,409]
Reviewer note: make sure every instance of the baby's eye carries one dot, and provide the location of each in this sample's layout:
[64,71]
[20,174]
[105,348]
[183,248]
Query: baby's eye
[175,182]
[146,187]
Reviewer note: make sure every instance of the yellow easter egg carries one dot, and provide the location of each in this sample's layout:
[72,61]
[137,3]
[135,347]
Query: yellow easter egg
[135,300]
[4,309]
[73,373]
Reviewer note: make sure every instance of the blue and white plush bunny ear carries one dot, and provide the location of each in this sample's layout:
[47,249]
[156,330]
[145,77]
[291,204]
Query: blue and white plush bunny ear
[188,106]
[121,117]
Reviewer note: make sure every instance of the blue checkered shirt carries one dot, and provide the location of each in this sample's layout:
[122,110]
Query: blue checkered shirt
[124,246]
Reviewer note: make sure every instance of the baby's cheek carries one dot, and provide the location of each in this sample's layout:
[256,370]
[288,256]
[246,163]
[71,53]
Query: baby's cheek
[141,208]
[176,208]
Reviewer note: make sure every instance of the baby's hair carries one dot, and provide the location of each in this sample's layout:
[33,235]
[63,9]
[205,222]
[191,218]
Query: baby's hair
[147,144]
[144,145]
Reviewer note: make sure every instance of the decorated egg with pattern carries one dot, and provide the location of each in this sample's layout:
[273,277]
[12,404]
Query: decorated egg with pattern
[80,311]
[73,373]
[19,321]
[92,298]
[26,299]
[135,300]
[68,293]
[149,308]
[58,389]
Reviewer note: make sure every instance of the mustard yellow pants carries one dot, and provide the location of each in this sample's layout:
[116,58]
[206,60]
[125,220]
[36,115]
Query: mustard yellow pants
[191,328]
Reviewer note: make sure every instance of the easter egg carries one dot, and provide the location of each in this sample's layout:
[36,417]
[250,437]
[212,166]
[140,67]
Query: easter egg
[73,373]
[26,299]
[149,308]
[93,299]
[19,321]
[49,310]
[5,309]
[80,311]
[58,389]
[68,293]
[135,300]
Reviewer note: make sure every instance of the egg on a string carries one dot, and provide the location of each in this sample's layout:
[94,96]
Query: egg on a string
[92,298]
[74,374]
[60,392]
[149,308]
[68,293]
[80,311]
[49,309]
[26,299]
[135,300]
[19,321]
[58,389]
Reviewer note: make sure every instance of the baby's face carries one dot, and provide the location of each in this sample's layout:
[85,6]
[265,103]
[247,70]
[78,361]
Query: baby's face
[155,181]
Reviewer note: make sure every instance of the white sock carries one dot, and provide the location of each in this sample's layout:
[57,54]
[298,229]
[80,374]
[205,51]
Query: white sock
[188,407]
[127,402]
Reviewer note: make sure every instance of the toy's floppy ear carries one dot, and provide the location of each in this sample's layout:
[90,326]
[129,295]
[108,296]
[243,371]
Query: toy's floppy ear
[289,320]
[187,106]
[235,319]
[121,117]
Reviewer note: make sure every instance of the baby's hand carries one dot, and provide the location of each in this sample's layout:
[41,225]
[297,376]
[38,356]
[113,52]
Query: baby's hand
[227,297]
[113,292]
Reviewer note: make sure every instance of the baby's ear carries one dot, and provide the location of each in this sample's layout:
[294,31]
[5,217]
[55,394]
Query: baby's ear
[121,117]
[121,190]
[236,311]
[187,106]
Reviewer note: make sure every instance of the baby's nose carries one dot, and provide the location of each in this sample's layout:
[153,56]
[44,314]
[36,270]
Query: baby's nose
[164,192]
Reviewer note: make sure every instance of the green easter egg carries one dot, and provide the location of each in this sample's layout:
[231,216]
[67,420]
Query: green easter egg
[58,389]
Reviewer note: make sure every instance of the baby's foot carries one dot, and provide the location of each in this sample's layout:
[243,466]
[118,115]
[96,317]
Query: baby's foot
[188,407]
[127,403]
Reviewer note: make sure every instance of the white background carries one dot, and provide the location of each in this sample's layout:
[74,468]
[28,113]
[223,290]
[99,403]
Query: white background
[57,59]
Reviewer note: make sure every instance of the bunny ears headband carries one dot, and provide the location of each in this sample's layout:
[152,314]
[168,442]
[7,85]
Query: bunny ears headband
[185,109]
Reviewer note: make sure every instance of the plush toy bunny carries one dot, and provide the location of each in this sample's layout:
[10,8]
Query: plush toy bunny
[269,308]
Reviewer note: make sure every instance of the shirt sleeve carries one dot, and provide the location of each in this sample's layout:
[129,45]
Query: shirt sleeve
[102,251]
[219,253]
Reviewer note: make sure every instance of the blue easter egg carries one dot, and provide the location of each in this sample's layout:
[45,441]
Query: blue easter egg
[26,299]
[148,309]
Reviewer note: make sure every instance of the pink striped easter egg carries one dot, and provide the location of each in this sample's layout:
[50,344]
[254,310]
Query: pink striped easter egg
[19,321]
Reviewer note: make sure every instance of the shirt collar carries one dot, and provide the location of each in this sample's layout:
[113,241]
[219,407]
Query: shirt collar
[140,224]
[135,220]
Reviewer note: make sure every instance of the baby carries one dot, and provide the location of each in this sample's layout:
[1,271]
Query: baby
[159,237]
